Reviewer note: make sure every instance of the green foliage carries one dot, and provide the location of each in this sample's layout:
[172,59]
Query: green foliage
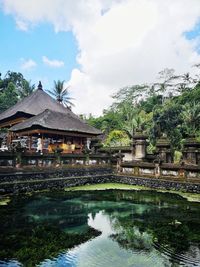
[189,96]
[149,104]
[177,156]
[109,121]
[191,117]
[167,119]
[134,119]
[13,87]
[26,89]
[169,106]
[117,138]
[15,77]
[8,97]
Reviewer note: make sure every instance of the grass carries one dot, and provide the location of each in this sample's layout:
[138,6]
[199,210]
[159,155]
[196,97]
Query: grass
[189,196]
[106,187]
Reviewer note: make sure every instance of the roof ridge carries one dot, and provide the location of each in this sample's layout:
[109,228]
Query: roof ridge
[34,104]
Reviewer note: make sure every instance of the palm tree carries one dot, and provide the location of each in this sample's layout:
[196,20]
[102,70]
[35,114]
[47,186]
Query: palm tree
[165,87]
[61,94]
[131,121]
[191,117]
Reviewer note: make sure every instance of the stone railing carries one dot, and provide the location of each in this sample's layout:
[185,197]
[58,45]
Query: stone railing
[163,170]
[9,161]
[16,160]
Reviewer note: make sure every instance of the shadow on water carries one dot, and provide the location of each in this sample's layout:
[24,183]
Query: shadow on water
[100,228]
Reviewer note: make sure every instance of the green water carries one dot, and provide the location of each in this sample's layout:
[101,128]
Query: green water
[100,228]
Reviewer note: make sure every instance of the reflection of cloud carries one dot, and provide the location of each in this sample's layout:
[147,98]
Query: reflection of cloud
[100,222]
[102,251]
[28,64]
[52,63]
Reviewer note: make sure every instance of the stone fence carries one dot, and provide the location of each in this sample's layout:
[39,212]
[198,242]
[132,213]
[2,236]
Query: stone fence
[23,160]
[156,170]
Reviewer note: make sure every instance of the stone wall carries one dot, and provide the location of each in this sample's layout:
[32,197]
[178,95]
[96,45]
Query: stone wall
[30,176]
[159,183]
[51,184]
[57,180]
[47,179]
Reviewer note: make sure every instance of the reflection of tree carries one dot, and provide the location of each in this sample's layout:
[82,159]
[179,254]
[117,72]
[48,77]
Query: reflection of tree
[34,227]
[33,244]
[31,238]
[168,224]
[177,237]
[132,238]
[59,210]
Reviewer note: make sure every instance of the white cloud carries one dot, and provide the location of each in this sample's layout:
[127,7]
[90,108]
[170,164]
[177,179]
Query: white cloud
[21,25]
[121,42]
[28,64]
[54,63]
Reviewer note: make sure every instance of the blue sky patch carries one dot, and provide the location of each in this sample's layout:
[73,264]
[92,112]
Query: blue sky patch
[19,46]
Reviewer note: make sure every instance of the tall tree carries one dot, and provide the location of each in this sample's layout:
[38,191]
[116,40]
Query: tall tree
[167,119]
[191,117]
[26,89]
[61,93]
[134,119]
[8,97]
[22,86]
[164,87]
[184,82]
[15,77]
[131,94]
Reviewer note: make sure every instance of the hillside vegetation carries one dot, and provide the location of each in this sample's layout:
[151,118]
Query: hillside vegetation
[170,106]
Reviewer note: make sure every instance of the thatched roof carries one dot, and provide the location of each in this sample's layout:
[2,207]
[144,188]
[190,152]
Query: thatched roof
[34,104]
[53,120]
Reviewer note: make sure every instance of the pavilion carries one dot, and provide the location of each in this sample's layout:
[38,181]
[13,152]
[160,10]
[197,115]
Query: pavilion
[44,124]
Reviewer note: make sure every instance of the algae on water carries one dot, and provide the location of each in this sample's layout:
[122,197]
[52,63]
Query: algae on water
[192,197]
[4,201]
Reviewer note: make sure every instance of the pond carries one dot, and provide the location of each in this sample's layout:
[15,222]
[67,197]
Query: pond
[100,228]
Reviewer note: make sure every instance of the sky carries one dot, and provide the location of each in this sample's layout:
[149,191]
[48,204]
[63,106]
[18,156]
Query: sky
[98,46]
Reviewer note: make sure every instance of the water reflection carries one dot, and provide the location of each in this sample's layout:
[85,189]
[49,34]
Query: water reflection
[110,228]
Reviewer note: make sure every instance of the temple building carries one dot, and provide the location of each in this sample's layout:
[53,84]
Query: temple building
[43,124]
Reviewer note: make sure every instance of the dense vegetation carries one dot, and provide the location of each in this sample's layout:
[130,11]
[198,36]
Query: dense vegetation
[170,106]
[13,88]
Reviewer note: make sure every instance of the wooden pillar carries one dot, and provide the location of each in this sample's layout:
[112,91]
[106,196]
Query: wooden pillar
[81,145]
[42,142]
[30,142]
[9,139]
